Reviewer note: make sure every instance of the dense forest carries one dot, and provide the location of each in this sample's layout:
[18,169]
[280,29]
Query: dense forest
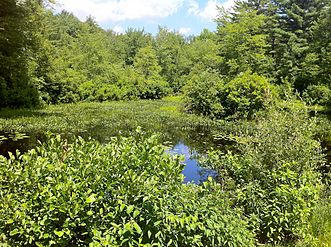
[260,84]
[53,58]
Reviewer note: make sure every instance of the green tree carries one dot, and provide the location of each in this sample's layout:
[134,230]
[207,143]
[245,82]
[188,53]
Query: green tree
[134,39]
[82,56]
[291,31]
[242,45]
[152,85]
[202,50]
[146,62]
[293,54]
[17,42]
[62,33]
[168,47]
[321,47]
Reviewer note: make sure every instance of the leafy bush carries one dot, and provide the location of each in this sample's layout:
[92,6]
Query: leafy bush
[241,97]
[128,192]
[108,92]
[87,90]
[203,93]
[25,96]
[317,94]
[247,94]
[128,84]
[153,88]
[274,177]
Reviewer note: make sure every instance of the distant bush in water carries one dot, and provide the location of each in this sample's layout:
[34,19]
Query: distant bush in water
[207,94]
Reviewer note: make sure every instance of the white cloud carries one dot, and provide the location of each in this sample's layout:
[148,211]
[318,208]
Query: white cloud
[121,10]
[184,30]
[209,12]
[228,4]
[118,29]
[194,7]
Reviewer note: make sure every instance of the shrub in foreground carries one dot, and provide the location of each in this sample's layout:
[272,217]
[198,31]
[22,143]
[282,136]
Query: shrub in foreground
[128,192]
[274,177]
[321,223]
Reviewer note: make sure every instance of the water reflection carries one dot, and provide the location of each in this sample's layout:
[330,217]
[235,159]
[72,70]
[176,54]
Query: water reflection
[12,141]
[193,172]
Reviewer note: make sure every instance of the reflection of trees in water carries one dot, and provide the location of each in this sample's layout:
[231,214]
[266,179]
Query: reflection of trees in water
[197,136]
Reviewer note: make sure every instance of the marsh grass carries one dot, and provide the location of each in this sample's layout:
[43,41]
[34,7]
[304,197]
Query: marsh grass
[321,223]
[166,117]
[102,121]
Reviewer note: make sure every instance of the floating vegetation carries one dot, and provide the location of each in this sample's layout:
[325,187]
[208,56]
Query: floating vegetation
[3,138]
[16,136]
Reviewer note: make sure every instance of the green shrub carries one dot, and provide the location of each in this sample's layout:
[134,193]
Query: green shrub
[108,92]
[22,95]
[203,93]
[247,94]
[26,96]
[317,94]
[128,192]
[274,176]
[154,88]
[241,97]
[87,90]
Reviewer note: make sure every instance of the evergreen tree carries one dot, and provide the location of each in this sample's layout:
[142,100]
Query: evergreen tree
[321,46]
[296,20]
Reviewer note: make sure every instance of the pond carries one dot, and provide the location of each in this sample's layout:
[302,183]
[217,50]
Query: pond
[189,142]
[193,172]
[185,134]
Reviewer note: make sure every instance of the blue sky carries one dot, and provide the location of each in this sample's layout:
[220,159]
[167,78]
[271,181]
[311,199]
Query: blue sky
[185,16]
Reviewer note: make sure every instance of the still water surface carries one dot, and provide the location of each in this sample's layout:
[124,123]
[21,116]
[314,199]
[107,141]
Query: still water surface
[193,172]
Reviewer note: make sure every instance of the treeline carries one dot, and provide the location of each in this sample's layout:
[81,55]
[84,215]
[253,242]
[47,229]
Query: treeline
[53,58]
[69,60]
[267,50]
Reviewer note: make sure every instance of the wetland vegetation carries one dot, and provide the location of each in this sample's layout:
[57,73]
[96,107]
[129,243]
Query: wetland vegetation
[91,122]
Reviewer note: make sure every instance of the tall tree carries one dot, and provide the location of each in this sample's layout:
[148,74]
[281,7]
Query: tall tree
[290,29]
[296,20]
[135,39]
[146,65]
[17,39]
[168,46]
[242,44]
[321,46]
[202,52]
